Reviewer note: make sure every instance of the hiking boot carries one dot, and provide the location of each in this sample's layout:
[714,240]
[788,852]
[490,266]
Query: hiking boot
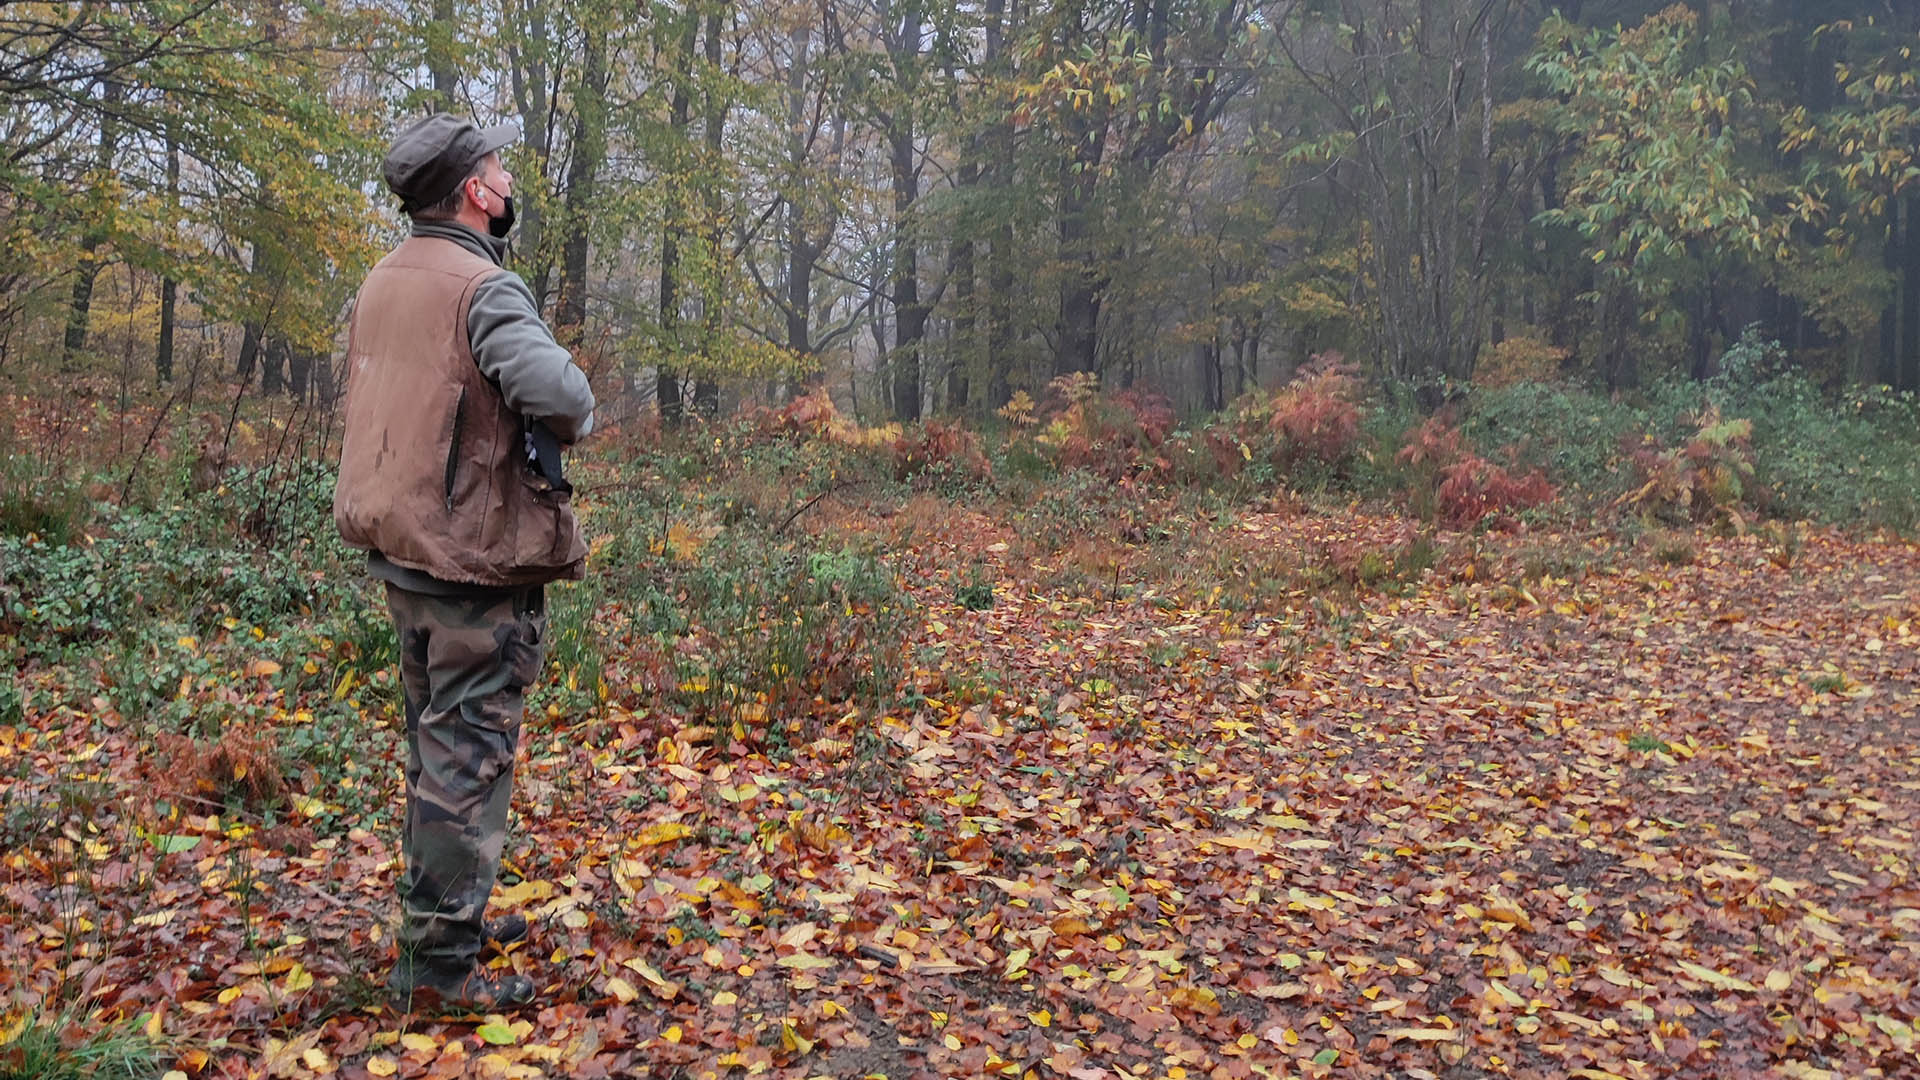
[476,992]
[506,930]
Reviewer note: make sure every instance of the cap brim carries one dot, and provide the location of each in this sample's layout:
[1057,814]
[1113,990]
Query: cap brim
[497,136]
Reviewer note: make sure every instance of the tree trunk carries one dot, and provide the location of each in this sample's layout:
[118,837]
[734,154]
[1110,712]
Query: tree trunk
[273,372]
[909,316]
[527,78]
[169,288]
[706,388]
[589,149]
[163,351]
[442,66]
[80,302]
[250,332]
[1910,298]
[1889,366]
[1083,282]
[1618,359]
[999,355]
[960,271]
[801,252]
[667,391]
[299,372]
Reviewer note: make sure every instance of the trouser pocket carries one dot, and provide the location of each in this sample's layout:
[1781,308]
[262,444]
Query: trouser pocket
[527,648]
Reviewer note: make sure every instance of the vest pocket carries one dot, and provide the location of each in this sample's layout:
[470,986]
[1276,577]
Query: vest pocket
[453,445]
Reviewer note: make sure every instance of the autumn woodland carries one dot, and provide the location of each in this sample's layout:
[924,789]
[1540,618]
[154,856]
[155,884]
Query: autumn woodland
[1135,539]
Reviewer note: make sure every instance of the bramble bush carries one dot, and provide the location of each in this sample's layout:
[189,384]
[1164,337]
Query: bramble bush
[1116,436]
[1848,457]
[1710,477]
[1313,423]
[939,453]
[1465,487]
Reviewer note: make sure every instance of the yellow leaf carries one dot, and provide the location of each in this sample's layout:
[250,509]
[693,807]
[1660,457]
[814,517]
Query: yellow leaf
[298,978]
[621,989]
[952,1041]
[662,833]
[316,1059]
[1198,998]
[524,892]
[422,1044]
[683,543]
[12,1027]
[382,1066]
[1422,1034]
[794,1042]
[654,978]
[804,962]
[1042,1018]
[1501,909]
[1777,980]
[1714,978]
[173,1074]
[1017,964]
[261,668]
[673,1034]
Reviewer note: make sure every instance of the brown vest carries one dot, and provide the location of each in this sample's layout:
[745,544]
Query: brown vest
[433,470]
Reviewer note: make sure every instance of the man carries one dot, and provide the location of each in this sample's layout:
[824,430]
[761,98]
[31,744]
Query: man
[453,380]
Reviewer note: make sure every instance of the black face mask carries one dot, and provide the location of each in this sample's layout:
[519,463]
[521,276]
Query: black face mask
[498,226]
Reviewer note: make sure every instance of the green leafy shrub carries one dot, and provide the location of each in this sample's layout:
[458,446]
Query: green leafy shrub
[1847,457]
[767,628]
[262,551]
[975,593]
[1572,434]
[54,508]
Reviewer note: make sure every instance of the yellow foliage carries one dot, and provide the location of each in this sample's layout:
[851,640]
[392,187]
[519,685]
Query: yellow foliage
[1522,358]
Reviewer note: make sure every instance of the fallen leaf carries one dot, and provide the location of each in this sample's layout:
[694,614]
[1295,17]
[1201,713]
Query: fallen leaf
[495,1034]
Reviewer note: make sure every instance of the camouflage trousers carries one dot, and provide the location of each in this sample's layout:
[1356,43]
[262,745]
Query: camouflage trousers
[465,664]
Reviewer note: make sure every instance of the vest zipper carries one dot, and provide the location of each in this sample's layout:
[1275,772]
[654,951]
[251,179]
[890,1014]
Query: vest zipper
[453,445]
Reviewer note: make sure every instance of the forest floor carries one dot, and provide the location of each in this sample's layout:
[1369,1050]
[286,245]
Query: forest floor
[1549,806]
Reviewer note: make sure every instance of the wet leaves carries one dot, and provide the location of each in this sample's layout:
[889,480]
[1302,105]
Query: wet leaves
[1613,822]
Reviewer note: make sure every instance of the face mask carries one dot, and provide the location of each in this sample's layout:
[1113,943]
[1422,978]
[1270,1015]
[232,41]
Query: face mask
[499,226]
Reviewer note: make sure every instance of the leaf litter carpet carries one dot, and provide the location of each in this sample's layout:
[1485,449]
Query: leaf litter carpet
[1630,819]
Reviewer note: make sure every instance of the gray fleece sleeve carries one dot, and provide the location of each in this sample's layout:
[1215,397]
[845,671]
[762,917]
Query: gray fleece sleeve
[514,348]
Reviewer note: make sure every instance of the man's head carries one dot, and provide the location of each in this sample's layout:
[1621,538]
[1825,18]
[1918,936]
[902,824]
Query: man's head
[446,169]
